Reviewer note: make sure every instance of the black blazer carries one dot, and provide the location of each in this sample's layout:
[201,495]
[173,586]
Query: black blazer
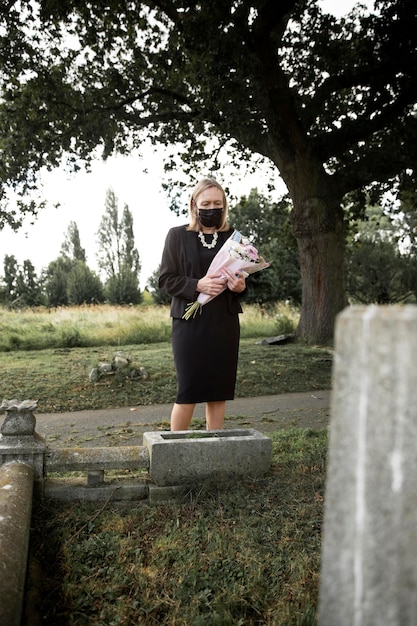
[181,270]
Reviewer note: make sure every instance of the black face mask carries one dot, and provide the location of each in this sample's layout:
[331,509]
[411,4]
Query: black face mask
[210,217]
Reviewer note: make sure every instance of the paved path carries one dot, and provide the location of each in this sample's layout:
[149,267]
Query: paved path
[126,425]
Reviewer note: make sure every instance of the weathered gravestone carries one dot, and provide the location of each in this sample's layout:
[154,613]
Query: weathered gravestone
[369,554]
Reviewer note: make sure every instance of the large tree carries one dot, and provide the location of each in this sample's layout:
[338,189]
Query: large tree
[267,224]
[83,285]
[55,281]
[117,257]
[21,285]
[330,103]
[11,271]
[71,246]
[380,260]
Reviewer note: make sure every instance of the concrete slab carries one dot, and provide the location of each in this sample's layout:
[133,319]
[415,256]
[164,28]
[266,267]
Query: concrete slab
[174,494]
[181,457]
[68,490]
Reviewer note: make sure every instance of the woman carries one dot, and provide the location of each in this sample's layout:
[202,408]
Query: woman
[206,347]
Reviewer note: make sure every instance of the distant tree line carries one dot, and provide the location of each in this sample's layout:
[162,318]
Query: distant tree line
[381,260]
[68,280]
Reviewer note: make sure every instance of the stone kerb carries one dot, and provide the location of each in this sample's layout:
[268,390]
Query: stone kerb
[170,459]
[369,553]
[16,485]
[182,457]
[95,461]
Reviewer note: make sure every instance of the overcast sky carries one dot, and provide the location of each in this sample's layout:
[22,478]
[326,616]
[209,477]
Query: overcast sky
[82,200]
[82,197]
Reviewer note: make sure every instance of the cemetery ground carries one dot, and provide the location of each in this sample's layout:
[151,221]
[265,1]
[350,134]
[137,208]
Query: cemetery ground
[245,552]
[242,552]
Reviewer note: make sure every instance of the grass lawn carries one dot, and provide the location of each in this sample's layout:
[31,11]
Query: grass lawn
[244,553]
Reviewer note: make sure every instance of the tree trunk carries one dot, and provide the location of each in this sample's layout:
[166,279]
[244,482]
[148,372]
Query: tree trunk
[319,230]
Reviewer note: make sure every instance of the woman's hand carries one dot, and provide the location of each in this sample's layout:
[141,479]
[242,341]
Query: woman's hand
[235,282]
[212,284]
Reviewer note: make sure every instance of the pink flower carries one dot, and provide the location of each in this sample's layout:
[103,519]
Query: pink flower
[252,252]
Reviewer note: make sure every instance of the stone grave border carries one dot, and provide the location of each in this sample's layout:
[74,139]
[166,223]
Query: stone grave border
[172,464]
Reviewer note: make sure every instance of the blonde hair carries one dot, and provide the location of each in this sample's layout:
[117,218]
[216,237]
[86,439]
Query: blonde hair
[201,186]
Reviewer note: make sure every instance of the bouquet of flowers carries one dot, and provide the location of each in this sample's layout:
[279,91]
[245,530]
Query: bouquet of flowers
[238,255]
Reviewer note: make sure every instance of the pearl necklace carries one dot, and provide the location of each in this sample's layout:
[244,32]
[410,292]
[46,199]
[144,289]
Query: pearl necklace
[204,242]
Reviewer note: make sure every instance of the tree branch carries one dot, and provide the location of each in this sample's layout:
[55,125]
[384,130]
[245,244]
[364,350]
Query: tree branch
[370,167]
[355,130]
[271,14]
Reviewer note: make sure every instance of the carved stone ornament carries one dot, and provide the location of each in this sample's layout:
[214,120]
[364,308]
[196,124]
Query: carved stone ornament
[19,418]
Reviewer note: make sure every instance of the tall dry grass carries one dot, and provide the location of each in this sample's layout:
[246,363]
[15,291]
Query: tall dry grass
[108,325]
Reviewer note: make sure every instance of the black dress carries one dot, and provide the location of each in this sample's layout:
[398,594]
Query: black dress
[205,348]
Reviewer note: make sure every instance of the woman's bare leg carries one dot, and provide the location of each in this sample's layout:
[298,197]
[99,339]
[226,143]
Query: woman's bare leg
[181,416]
[215,415]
